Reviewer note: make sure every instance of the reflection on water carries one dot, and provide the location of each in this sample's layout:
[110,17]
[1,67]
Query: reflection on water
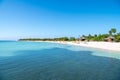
[58,64]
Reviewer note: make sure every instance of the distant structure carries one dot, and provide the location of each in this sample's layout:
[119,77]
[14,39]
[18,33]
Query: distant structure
[110,39]
[83,38]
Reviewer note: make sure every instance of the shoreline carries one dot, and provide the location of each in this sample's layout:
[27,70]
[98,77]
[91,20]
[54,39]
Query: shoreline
[108,46]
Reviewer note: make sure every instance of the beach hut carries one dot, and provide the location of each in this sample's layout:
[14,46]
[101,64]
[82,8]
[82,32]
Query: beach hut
[83,38]
[110,39]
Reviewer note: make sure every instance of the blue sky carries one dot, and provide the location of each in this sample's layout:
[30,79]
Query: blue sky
[57,18]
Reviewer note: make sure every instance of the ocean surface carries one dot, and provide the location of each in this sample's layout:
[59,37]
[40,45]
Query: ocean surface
[52,61]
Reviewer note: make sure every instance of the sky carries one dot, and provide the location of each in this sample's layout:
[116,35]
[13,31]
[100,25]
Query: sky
[57,18]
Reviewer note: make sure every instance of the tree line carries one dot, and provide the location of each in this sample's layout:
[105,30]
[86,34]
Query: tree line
[95,37]
[49,39]
[101,37]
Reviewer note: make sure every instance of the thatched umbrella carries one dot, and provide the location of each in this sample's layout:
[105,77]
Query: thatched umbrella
[83,38]
[110,39]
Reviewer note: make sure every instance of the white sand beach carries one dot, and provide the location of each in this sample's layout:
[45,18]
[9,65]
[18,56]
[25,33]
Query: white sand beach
[112,46]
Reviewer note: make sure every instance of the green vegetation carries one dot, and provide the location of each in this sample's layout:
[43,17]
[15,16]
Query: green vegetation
[101,37]
[48,39]
[117,37]
[72,39]
[113,30]
[95,37]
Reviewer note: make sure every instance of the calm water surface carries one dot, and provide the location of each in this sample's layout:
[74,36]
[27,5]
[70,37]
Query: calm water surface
[50,61]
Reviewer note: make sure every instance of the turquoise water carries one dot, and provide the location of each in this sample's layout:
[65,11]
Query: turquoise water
[50,61]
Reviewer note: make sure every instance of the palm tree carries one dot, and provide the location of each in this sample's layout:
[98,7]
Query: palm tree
[113,30]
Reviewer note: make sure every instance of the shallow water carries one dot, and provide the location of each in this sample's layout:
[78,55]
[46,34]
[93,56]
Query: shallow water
[50,61]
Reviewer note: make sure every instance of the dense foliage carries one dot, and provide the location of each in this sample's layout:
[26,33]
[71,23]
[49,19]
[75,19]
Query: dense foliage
[95,37]
[49,39]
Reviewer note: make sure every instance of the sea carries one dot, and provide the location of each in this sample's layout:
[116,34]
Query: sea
[53,61]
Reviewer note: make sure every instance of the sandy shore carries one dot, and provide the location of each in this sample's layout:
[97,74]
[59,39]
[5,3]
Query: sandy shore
[111,46]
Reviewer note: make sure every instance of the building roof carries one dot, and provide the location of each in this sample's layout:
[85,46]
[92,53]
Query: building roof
[110,37]
[82,37]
